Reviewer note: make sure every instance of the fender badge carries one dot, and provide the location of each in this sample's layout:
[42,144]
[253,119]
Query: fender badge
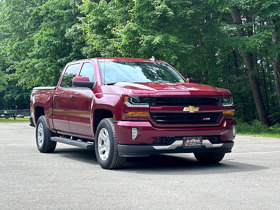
[191,109]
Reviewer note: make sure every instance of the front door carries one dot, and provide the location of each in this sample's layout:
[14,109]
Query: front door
[80,104]
[61,99]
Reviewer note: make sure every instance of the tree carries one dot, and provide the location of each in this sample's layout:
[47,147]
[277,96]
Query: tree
[231,44]
[270,12]
[250,64]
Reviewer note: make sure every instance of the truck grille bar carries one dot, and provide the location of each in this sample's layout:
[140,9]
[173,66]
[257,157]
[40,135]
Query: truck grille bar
[186,118]
[183,101]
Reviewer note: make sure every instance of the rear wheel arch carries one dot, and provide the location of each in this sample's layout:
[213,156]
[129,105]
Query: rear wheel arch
[39,111]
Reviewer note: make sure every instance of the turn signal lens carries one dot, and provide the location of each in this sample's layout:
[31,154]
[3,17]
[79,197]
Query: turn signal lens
[125,99]
[138,114]
[228,113]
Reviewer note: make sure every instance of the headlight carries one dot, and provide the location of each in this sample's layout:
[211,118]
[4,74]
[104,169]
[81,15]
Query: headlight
[139,100]
[227,101]
[136,101]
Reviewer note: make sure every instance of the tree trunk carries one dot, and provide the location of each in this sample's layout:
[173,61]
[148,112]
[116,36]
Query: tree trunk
[276,60]
[248,59]
[235,61]
[265,87]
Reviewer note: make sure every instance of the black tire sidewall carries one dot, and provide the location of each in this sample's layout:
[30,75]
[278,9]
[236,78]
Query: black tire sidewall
[210,157]
[48,145]
[105,163]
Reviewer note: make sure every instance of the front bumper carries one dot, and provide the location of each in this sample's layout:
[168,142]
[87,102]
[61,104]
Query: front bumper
[148,134]
[176,147]
[146,142]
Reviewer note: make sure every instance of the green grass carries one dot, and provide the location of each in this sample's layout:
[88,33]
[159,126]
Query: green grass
[270,135]
[257,129]
[17,120]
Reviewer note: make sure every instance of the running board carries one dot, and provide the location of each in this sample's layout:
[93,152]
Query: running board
[85,145]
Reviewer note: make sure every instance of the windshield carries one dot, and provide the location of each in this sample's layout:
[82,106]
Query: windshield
[126,71]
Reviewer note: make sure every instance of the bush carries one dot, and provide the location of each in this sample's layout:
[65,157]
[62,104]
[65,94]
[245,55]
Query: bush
[275,117]
[275,128]
[256,128]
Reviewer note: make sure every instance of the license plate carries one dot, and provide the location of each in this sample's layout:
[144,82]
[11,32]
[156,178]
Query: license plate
[192,142]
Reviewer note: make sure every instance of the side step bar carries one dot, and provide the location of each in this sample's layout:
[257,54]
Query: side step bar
[85,145]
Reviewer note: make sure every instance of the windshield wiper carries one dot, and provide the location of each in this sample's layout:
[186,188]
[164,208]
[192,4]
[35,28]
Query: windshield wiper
[112,83]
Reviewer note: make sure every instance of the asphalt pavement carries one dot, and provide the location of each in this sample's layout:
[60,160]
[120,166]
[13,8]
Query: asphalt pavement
[70,178]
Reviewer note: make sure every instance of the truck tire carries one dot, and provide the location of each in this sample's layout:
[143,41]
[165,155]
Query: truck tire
[43,137]
[209,157]
[106,146]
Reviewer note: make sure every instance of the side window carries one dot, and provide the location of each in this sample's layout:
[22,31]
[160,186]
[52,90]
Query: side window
[69,74]
[87,71]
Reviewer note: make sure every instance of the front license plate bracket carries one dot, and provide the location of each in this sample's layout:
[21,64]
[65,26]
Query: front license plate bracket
[192,142]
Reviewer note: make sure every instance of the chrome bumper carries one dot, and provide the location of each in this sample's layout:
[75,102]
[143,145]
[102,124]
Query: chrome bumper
[179,143]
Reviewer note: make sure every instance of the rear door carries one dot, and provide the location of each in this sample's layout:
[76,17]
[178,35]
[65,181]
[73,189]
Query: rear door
[80,104]
[61,98]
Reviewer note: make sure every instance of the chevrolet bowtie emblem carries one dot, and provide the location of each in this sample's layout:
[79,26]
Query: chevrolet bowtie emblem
[191,109]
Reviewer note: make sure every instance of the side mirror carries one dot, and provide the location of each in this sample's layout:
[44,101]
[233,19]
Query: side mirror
[83,82]
[191,80]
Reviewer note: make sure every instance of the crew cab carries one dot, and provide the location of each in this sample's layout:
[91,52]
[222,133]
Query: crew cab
[129,107]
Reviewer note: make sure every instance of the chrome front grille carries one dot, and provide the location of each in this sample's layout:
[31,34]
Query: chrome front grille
[184,101]
[186,118]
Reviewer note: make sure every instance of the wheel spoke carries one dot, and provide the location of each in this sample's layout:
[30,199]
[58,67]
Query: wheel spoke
[40,135]
[103,136]
[101,148]
[103,144]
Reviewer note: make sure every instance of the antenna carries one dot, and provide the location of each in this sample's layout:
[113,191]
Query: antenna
[152,59]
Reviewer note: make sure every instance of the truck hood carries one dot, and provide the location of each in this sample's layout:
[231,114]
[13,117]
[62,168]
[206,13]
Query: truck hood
[170,88]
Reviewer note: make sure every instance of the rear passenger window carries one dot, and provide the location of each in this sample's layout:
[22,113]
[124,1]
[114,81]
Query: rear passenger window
[69,74]
[87,71]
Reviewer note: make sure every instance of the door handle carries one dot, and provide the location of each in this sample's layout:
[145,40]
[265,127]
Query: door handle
[72,97]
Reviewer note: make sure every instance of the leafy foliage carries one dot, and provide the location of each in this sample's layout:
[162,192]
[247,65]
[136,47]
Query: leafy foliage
[37,41]
[37,38]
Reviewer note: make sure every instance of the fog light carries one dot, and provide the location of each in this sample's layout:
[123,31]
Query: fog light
[233,130]
[134,133]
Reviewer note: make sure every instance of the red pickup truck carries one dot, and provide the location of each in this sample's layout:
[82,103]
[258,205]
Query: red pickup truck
[128,107]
